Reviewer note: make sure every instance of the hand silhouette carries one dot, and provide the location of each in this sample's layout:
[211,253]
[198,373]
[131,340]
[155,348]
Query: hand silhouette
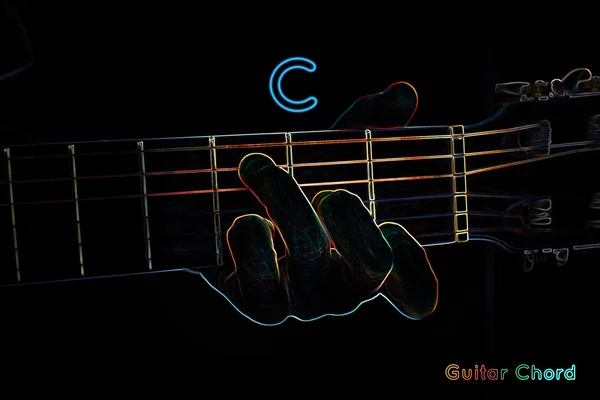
[336,256]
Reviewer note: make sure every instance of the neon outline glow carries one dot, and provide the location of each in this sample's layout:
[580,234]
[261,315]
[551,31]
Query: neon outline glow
[312,67]
[292,316]
[379,294]
[453,372]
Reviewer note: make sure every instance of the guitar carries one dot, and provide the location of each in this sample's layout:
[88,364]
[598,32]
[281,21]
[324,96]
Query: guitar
[68,210]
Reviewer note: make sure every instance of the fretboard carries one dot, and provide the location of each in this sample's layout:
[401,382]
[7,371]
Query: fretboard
[85,210]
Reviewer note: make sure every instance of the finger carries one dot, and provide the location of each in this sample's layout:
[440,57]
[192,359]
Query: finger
[250,241]
[393,107]
[301,230]
[412,285]
[354,234]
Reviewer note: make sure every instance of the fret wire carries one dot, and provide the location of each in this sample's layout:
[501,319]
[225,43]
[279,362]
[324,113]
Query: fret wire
[459,170]
[216,202]
[77,214]
[370,174]
[144,187]
[288,154]
[12,211]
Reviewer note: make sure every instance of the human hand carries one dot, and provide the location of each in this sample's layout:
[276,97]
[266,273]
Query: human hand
[336,256]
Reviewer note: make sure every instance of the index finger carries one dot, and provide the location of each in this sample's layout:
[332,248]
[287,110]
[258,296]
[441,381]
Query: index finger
[301,229]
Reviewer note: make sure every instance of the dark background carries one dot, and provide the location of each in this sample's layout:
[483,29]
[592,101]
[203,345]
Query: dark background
[128,69]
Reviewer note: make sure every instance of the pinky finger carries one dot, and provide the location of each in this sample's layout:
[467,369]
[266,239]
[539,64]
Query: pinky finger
[412,285]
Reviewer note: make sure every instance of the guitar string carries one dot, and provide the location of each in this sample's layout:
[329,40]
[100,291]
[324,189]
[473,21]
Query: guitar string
[328,142]
[304,165]
[310,184]
[313,164]
[494,216]
[475,232]
[478,234]
[319,142]
[317,164]
[399,159]
[345,141]
[296,165]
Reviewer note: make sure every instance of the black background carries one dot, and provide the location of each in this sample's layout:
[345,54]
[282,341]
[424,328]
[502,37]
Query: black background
[107,70]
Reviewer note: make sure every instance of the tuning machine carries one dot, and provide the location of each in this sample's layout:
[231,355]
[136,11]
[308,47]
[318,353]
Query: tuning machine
[582,83]
[548,257]
[578,82]
[526,91]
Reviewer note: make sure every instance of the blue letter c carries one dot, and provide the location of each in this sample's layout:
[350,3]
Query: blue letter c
[276,92]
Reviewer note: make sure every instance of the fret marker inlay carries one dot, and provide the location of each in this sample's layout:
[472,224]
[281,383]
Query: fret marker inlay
[145,205]
[216,205]
[76,200]
[12,211]
[370,174]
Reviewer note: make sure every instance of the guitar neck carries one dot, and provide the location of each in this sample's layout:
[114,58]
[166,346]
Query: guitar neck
[97,209]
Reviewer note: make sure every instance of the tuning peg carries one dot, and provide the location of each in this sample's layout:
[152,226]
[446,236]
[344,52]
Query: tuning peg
[557,87]
[526,91]
[510,91]
[511,88]
[578,82]
[574,77]
[588,87]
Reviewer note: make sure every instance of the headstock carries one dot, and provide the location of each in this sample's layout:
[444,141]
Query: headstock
[579,82]
[561,224]
[570,106]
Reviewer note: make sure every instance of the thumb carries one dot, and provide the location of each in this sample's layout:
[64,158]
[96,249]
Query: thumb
[393,107]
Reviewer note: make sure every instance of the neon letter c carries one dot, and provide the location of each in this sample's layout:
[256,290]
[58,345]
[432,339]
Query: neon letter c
[288,65]
[518,372]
